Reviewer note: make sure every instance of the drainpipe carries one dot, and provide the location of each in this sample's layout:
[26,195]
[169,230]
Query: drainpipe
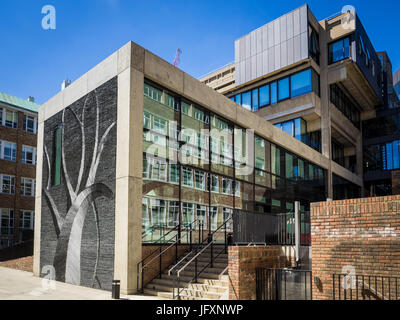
[297,231]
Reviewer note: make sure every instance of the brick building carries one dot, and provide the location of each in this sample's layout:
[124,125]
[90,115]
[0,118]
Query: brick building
[18,134]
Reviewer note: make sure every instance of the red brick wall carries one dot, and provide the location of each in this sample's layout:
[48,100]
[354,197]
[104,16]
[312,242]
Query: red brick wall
[363,233]
[243,262]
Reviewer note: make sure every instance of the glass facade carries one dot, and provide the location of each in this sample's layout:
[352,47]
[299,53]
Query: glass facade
[382,126]
[339,50]
[197,165]
[343,189]
[286,88]
[297,128]
[383,156]
[345,105]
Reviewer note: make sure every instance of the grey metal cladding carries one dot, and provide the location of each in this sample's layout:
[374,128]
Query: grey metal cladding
[277,44]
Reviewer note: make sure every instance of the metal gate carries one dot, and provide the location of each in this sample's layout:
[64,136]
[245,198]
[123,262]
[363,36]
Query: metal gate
[283,284]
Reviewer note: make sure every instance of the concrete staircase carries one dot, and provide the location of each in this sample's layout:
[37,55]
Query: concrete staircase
[211,285]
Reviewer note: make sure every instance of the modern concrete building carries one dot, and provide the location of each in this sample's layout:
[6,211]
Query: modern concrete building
[97,195]
[136,153]
[323,83]
[18,134]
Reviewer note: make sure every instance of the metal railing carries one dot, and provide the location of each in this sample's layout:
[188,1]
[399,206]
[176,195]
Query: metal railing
[174,241]
[365,287]
[283,284]
[270,228]
[198,251]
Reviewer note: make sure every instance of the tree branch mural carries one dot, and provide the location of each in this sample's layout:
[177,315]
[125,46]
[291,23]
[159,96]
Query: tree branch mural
[82,197]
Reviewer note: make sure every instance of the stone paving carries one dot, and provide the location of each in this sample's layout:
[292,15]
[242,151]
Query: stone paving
[22,285]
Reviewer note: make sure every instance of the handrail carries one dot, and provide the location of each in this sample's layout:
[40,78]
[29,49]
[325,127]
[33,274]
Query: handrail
[211,242]
[200,244]
[188,229]
[159,240]
[149,255]
[165,249]
[190,261]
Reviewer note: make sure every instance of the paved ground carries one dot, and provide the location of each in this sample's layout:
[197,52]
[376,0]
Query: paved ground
[24,264]
[22,285]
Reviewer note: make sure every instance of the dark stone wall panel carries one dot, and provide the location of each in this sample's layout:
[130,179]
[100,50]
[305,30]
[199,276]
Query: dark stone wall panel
[96,244]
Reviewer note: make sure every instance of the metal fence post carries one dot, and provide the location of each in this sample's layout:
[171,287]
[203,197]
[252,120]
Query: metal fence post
[297,231]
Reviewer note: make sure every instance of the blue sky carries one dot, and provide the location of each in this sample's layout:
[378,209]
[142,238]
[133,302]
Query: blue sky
[34,61]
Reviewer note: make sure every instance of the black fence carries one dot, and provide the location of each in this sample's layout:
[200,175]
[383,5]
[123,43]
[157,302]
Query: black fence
[283,284]
[269,228]
[365,287]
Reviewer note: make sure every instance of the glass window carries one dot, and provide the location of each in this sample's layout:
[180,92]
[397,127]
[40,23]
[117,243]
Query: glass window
[246,100]
[28,187]
[28,155]
[238,99]
[288,127]
[214,217]
[8,151]
[11,119]
[201,215]
[214,184]
[283,86]
[174,173]
[159,171]
[264,95]
[30,124]
[7,222]
[7,184]
[301,83]
[339,50]
[57,158]
[187,213]
[255,104]
[158,213]
[199,180]
[173,213]
[226,186]
[274,93]
[187,177]
[26,220]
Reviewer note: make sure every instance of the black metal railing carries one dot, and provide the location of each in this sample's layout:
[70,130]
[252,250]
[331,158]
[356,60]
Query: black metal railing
[164,247]
[270,228]
[283,284]
[210,242]
[365,287]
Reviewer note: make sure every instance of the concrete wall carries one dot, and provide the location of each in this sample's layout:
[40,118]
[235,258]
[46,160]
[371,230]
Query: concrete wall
[360,233]
[273,46]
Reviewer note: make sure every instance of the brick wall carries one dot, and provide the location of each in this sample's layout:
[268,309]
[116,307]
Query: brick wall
[363,233]
[243,262]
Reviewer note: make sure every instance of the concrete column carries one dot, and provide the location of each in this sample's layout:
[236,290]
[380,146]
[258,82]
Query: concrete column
[128,202]
[325,108]
[38,197]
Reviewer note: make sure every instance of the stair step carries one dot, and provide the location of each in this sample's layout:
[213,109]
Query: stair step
[168,285]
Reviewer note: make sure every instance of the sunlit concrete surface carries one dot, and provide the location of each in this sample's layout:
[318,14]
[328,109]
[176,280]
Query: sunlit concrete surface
[22,285]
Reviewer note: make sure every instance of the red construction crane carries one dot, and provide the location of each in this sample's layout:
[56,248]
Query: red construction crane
[177,59]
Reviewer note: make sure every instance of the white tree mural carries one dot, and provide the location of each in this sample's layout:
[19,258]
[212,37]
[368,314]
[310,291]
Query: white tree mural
[82,196]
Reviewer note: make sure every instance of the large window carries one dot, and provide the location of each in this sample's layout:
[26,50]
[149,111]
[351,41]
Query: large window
[8,118]
[7,184]
[8,151]
[286,88]
[30,124]
[7,222]
[345,105]
[384,156]
[26,220]
[339,50]
[28,155]
[28,187]
[313,44]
